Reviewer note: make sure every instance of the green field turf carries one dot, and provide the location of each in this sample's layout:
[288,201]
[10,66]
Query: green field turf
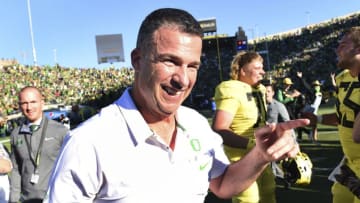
[324,158]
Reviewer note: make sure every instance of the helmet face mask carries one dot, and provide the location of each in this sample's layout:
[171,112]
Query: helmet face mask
[297,170]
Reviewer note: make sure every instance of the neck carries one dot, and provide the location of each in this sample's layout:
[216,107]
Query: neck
[164,128]
[354,71]
[37,121]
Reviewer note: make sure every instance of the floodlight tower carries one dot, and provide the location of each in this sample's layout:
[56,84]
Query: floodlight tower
[267,52]
[31,34]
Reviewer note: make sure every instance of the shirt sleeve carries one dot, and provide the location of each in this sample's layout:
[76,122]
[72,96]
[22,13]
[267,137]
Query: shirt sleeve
[219,166]
[220,160]
[15,177]
[283,112]
[74,178]
[225,98]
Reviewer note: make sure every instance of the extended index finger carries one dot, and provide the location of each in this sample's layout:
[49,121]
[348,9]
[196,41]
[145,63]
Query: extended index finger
[288,125]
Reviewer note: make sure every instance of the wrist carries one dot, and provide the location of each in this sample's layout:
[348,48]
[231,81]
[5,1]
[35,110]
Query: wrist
[319,118]
[260,156]
[251,143]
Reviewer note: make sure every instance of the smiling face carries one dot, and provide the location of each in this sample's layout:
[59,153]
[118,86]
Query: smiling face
[252,73]
[348,51]
[31,104]
[166,72]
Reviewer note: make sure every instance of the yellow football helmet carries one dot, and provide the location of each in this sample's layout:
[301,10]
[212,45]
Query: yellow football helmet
[297,170]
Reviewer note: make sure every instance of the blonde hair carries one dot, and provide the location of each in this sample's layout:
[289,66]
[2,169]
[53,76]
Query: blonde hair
[241,59]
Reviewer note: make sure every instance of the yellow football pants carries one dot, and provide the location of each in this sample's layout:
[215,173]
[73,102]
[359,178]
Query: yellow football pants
[342,194]
[261,191]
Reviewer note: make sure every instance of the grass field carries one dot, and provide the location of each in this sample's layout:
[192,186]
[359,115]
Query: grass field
[324,158]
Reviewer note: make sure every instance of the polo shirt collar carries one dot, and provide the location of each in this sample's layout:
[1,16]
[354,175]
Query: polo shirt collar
[137,125]
[135,121]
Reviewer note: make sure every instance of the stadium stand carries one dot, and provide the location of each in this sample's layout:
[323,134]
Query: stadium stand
[308,49]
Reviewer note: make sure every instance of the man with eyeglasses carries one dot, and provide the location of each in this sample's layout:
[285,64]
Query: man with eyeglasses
[35,144]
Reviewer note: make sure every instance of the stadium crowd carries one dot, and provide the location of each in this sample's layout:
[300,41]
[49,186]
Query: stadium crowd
[60,85]
[308,49]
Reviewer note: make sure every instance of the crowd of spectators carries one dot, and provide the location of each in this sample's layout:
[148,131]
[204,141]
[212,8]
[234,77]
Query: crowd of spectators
[61,85]
[309,49]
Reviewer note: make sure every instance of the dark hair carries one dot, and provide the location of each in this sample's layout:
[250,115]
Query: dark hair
[172,17]
[354,34]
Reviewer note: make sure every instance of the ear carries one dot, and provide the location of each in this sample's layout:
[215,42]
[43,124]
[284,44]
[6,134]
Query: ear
[356,53]
[241,72]
[135,58]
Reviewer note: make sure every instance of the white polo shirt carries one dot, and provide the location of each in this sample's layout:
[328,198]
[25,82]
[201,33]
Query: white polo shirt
[115,157]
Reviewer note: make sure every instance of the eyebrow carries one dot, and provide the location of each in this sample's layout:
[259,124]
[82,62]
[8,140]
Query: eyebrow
[158,57]
[25,102]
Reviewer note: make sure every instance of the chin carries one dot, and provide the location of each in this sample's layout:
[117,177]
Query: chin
[168,109]
[256,84]
[344,65]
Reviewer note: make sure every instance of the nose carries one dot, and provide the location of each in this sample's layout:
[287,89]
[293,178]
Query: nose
[262,72]
[181,77]
[29,106]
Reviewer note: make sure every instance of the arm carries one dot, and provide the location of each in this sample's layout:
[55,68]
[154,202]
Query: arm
[283,113]
[273,142]
[221,124]
[326,119]
[333,81]
[15,177]
[281,97]
[329,119]
[73,174]
[295,93]
[356,129]
[306,85]
[5,163]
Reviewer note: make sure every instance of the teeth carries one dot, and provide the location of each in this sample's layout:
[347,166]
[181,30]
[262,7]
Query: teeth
[171,91]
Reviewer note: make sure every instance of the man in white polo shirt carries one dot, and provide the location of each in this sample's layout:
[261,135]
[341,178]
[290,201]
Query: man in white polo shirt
[146,147]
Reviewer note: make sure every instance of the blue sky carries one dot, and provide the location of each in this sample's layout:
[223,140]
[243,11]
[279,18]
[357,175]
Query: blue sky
[64,30]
